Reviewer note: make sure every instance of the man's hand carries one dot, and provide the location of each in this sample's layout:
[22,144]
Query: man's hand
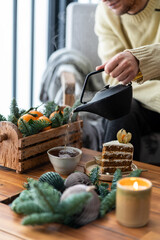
[123,66]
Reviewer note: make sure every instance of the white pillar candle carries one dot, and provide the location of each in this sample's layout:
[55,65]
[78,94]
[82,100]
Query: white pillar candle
[133,201]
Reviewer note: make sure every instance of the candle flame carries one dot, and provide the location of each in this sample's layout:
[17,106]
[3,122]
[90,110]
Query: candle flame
[135,185]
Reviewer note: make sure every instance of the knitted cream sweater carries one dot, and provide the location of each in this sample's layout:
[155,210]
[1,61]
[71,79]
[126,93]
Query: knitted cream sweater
[139,34]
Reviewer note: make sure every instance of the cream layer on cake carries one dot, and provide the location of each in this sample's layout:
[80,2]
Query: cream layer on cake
[116,155]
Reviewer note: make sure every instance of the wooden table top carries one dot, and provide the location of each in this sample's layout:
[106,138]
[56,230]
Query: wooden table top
[11,184]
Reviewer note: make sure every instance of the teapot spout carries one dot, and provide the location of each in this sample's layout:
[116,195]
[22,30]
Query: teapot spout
[89,107]
[79,108]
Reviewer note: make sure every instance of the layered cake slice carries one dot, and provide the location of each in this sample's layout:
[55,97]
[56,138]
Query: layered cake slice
[117,154]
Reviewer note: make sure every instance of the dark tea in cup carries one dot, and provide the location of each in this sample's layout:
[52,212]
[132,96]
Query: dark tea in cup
[64,152]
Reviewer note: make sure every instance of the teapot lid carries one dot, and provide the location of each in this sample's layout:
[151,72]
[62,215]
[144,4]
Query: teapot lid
[109,92]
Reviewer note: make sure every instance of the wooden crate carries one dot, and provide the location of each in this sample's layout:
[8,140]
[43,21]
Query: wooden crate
[23,153]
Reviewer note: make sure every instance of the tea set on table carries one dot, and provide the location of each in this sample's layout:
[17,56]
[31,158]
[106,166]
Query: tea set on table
[110,103]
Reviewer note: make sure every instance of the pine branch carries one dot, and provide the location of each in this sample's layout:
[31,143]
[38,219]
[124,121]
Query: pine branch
[42,218]
[135,173]
[103,189]
[2,118]
[45,196]
[66,114]
[41,197]
[32,126]
[24,127]
[27,184]
[27,207]
[108,203]
[24,196]
[94,176]
[117,175]
[49,107]
[57,120]
[14,112]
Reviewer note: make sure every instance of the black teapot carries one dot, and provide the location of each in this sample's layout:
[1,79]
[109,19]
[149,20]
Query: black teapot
[111,102]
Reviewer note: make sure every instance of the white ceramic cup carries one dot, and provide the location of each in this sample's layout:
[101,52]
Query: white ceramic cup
[64,165]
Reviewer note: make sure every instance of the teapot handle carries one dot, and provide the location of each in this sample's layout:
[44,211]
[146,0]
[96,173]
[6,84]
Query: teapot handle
[85,82]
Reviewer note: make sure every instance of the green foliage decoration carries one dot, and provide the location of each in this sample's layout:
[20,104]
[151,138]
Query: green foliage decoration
[116,176]
[136,173]
[40,202]
[27,184]
[103,189]
[108,203]
[32,126]
[57,119]
[66,114]
[49,107]
[41,218]
[2,118]
[94,176]
[15,112]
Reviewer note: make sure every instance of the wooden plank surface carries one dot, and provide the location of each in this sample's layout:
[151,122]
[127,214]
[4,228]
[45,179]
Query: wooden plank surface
[7,236]
[50,134]
[11,179]
[11,184]
[11,223]
[44,146]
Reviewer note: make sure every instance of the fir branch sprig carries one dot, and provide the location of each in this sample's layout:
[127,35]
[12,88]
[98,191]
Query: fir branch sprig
[2,118]
[94,176]
[41,203]
[66,114]
[15,112]
[108,203]
[49,107]
[101,188]
[57,119]
[42,218]
[116,176]
[135,173]
[45,196]
[32,126]
[27,184]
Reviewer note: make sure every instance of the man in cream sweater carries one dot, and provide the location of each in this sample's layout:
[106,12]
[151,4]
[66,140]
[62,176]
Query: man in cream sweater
[129,43]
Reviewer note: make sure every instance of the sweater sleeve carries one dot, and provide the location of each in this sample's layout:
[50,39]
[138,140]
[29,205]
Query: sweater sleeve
[109,43]
[149,60]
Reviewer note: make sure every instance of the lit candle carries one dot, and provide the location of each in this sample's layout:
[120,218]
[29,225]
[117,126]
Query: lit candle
[133,201]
